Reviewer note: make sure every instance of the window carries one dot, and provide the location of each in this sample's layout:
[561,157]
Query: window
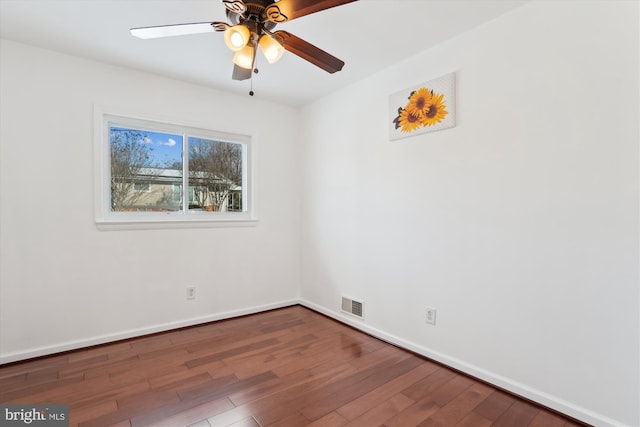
[141,186]
[154,173]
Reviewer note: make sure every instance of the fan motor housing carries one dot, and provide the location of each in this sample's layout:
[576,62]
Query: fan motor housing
[255,12]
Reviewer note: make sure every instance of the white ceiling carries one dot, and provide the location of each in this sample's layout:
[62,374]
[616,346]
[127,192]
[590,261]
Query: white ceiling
[368,35]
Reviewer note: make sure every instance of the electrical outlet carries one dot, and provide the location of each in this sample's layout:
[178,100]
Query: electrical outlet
[431,316]
[191,292]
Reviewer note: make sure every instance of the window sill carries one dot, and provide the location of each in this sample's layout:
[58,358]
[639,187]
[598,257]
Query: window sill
[114,224]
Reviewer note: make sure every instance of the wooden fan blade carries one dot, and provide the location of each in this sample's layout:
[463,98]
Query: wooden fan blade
[235,6]
[240,73]
[286,10]
[177,30]
[309,52]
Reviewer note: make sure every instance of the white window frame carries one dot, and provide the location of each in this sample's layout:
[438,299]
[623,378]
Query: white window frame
[106,219]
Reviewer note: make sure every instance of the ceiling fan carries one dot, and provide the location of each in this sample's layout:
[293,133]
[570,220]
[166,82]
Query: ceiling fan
[252,24]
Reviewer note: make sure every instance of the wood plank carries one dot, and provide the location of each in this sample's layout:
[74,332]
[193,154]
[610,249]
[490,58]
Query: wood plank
[547,419]
[414,414]
[494,405]
[382,412]
[370,400]
[259,345]
[187,416]
[332,419]
[427,385]
[13,379]
[33,365]
[35,393]
[342,392]
[247,422]
[451,390]
[81,413]
[474,420]
[518,414]
[262,390]
[230,416]
[429,395]
[293,420]
[454,411]
[221,387]
[99,391]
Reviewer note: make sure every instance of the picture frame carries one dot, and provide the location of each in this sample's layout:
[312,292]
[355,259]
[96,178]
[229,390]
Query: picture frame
[423,108]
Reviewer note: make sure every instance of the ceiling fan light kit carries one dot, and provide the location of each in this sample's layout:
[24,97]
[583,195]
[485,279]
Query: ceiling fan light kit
[251,24]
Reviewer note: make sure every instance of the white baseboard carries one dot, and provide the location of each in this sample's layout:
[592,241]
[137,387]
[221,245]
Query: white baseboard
[133,333]
[545,399]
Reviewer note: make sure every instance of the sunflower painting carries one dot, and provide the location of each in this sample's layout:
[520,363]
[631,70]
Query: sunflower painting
[426,108]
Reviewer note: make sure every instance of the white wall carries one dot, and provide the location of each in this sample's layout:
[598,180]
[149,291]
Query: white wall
[65,284]
[520,225]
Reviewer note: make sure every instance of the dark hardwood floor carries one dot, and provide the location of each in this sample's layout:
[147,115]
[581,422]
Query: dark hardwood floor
[287,367]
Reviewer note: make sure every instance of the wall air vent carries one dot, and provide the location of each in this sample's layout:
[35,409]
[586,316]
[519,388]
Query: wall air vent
[353,307]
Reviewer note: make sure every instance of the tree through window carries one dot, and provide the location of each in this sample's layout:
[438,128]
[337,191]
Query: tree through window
[145,166]
[215,173]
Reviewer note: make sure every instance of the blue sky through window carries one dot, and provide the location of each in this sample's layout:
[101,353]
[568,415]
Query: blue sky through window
[166,148]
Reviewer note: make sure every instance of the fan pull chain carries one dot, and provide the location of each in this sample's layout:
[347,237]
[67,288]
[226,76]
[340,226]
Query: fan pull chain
[254,71]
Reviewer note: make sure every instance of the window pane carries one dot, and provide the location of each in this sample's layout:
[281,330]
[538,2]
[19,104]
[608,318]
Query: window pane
[215,175]
[146,170]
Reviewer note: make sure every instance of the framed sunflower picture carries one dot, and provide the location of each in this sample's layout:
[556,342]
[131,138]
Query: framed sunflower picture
[425,108]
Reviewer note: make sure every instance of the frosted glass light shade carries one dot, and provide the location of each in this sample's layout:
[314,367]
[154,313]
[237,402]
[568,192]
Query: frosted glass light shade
[236,37]
[244,57]
[271,49]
